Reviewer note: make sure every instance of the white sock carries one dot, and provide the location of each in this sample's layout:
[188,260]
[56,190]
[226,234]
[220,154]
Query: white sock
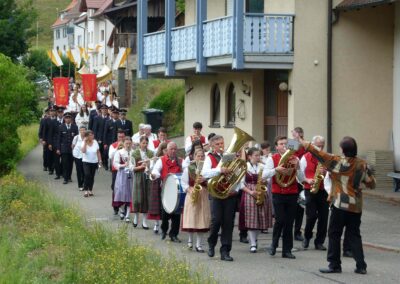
[252,237]
[135,218]
[199,239]
[190,239]
[144,221]
[127,214]
[156,223]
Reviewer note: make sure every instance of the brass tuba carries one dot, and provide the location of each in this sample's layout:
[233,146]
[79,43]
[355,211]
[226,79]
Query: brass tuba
[287,180]
[318,178]
[221,185]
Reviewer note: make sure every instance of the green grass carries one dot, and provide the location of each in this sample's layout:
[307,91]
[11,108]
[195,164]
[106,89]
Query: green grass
[45,241]
[28,134]
[47,15]
[147,90]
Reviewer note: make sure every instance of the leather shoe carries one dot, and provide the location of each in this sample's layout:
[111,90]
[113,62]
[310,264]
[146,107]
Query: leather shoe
[320,247]
[65,182]
[175,240]
[347,253]
[163,235]
[330,270]
[288,255]
[299,238]
[244,240]
[57,177]
[211,251]
[50,173]
[226,257]
[145,228]
[271,250]
[360,271]
[200,249]
[306,243]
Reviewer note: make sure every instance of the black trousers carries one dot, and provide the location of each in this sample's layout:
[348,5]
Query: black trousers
[222,216]
[57,164]
[285,211]
[67,161]
[46,153]
[340,219]
[175,223]
[89,170]
[104,155]
[346,242]
[298,221]
[317,208]
[79,172]
[50,160]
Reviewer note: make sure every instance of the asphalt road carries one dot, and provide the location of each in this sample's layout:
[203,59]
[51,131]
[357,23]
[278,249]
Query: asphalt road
[380,231]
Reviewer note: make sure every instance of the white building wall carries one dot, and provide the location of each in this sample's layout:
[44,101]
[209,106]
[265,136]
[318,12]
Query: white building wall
[62,41]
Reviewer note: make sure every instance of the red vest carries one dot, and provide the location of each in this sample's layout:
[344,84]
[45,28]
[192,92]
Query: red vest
[292,189]
[170,167]
[202,139]
[157,143]
[299,153]
[309,172]
[214,161]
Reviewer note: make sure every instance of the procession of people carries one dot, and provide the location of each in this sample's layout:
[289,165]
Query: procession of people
[202,191]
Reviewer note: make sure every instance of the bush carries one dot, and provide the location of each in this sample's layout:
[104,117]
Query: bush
[44,241]
[18,106]
[172,102]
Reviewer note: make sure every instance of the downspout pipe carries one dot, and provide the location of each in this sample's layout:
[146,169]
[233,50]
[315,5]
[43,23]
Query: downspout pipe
[329,79]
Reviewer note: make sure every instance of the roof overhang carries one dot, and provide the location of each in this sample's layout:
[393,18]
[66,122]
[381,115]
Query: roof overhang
[348,5]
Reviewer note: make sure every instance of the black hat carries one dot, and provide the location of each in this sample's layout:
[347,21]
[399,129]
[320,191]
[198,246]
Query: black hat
[104,107]
[60,108]
[67,114]
[115,110]
[123,111]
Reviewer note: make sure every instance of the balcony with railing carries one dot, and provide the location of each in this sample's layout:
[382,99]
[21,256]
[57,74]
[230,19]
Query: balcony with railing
[240,41]
[125,40]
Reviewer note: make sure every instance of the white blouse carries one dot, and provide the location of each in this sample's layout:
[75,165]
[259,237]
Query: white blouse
[125,156]
[82,120]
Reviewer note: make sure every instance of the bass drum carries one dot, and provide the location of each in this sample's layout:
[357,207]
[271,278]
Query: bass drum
[172,195]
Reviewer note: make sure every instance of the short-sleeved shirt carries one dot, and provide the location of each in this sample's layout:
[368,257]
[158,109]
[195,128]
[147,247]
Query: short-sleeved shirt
[90,156]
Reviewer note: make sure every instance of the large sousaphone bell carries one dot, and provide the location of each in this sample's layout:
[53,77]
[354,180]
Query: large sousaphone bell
[221,185]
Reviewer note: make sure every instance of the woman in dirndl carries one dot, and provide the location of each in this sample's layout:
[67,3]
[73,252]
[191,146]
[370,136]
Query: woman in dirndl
[140,193]
[124,163]
[196,211]
[154,210]
[254,217]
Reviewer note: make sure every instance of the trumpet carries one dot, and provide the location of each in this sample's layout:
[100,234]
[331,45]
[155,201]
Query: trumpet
[197,187]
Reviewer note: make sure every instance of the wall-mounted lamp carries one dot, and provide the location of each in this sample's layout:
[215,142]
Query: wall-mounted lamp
[189,89]
[284,87]
[246,89]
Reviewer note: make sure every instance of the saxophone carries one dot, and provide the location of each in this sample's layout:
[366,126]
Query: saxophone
[318,178]
[261,189]
[197,187]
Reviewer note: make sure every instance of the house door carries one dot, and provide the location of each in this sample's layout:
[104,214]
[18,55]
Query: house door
[275,105]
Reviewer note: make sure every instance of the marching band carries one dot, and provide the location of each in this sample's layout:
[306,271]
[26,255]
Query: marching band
[200,194]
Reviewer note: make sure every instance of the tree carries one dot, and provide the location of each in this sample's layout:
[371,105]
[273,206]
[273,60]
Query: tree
[16,22]
[18,106]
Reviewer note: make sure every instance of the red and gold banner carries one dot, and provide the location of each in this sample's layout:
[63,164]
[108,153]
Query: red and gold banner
[61,90]
[89,84]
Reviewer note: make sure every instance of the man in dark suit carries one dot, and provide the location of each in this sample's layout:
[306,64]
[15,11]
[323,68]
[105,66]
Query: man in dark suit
[110,133]
[93,114]
[99,124]
[52,142]
[42,141]
[124,123]
[66,133]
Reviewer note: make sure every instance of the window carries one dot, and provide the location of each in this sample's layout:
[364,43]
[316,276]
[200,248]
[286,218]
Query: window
[215,106]
[79,40]
[57,33]
[64,32]
[254,6]
[230,106]
[102,35]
